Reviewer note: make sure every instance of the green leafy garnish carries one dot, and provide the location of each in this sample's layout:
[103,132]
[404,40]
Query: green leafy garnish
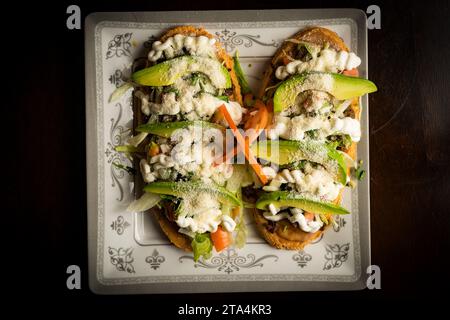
[127,148]
[245,88]
[168,197]
[128,169]
[202,246]
[343,141]
[241,228]
[171,89]
[359,171]
[223,98]
[312,134]
[198,78]
[294,165]
[346,141]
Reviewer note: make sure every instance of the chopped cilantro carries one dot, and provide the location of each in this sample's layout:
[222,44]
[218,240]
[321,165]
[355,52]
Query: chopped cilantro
[128,169]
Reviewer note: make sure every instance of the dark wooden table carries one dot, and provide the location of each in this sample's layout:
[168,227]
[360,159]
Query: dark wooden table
[409,152]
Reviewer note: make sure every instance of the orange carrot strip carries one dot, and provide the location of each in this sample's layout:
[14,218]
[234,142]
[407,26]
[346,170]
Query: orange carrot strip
[244,144]
[352,73]
[221,239]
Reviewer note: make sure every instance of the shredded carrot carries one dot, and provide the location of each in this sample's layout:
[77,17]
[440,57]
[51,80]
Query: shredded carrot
[217,117]
[260,119]
[249,100]
[153,150]
[257,122]
[221,239]
[235,212]
[244,143]
[352,73]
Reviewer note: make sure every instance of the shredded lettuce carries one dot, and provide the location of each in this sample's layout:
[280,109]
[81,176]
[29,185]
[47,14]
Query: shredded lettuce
[241,232]
[342,107]
[349,162]
[240,178]
[126,148]
[137,139]
[359,171]
[248,205]
[202,246]
[120,91]
[312,49]
[245,88]
[146,201]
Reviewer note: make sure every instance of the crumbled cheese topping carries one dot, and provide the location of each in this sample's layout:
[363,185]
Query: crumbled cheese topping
[328,60]
[173,47]
[311,181]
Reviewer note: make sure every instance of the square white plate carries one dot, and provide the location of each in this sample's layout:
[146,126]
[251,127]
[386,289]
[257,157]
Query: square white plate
[127,252]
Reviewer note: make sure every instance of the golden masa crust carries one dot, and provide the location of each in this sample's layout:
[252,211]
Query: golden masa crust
[171,228]
[285,235]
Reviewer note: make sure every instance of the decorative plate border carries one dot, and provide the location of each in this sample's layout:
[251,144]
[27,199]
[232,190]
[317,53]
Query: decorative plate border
[155,257]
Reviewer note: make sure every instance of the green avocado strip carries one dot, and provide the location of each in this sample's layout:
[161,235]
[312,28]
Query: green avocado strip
[284,152]
[288,199]
[166,129]
[340,86]
[167,72]
[189,189]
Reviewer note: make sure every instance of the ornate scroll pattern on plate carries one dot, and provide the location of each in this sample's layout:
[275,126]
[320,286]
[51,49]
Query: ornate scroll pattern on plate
[155,260]
[116,78]
[336,255]
[119,225]
[231,40]
[230,261]
[119,46]
[340,223]
[115,159]
[302,258]
[122,259]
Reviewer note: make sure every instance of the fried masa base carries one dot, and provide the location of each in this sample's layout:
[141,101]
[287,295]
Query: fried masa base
[170,228]
[284,234]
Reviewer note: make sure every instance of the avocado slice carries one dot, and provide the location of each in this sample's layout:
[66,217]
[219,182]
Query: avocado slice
[288,199]
[167,72]
[284,152]
[189,189]
[340,86]
[166,129]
